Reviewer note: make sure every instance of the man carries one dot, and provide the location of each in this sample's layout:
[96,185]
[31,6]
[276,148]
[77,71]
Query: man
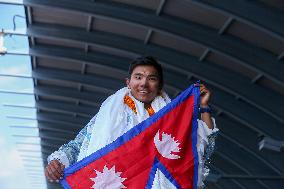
[129,106]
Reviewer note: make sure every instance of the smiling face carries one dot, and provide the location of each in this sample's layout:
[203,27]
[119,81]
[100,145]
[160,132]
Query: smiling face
[144,83]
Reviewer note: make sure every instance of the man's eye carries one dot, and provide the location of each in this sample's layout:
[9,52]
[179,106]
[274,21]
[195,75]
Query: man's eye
[153,79]
[137,77]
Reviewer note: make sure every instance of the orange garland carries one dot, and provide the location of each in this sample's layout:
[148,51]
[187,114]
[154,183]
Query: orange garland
[131,104]
[150,110]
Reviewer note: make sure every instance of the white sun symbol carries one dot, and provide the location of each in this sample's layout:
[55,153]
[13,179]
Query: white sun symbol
[167,145]
[108,179]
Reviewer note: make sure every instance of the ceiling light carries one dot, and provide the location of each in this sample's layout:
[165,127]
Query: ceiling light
[270,144]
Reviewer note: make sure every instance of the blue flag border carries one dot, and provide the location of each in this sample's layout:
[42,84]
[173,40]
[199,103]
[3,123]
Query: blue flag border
[192,90]
[158,165]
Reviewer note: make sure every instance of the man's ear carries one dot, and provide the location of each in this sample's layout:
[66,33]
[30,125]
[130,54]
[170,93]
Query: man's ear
[127,81]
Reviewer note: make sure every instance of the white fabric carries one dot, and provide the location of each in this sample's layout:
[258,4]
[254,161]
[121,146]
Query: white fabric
[161,181]
[202,140]
[115,118]
[86,142]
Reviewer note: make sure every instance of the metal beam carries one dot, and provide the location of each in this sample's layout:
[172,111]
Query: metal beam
[229,81]
[180,28]
[97,59]
[66,108]
[253,177]
[90,80]
[240,166]
[11,3]
[16,76]
[87,97]
[233,160]
[56,147]
[252,117]
[49,150]
[61,119]
[42,136]
[43,129]
[56,128]
[30,157]
[50,143]
[226,25]
[14,92]
[231,131]
[252,164]
[263,124]
[236,104]
[229,134]
[253,11]
[221,170]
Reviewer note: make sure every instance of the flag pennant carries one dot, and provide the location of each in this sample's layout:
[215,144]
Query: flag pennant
[160,151]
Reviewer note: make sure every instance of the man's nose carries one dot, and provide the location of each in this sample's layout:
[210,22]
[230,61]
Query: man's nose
[144,82]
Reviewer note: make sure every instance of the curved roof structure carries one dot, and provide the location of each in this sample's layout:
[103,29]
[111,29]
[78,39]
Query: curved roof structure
[81,50]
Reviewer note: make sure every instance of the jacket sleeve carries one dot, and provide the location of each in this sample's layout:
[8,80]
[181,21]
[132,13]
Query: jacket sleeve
[68,153]
[205,146]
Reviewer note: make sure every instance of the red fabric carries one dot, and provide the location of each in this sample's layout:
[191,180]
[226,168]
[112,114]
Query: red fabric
[135,158]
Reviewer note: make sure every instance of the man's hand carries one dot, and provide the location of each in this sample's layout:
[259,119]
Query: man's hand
[205,95]
[54,171]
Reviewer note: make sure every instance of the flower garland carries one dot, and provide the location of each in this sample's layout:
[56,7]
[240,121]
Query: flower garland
[131,104]
[150,110]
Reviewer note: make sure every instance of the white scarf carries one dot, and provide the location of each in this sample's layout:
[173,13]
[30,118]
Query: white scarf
[115,118]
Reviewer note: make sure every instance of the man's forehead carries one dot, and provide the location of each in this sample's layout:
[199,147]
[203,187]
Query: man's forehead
[145,69]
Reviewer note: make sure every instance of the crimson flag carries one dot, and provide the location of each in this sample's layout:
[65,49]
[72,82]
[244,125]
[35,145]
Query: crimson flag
[160,152]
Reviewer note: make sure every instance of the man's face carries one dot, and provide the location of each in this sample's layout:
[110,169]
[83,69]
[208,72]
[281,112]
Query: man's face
[144,83]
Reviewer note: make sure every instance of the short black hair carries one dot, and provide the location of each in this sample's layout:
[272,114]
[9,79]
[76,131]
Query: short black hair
[148,61]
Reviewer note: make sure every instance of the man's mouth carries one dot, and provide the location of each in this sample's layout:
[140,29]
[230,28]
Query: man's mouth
[143,91]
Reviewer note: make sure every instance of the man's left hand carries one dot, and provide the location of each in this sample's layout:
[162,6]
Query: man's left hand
[205,95]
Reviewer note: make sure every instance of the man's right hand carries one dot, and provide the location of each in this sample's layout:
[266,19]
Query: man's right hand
[54,171]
